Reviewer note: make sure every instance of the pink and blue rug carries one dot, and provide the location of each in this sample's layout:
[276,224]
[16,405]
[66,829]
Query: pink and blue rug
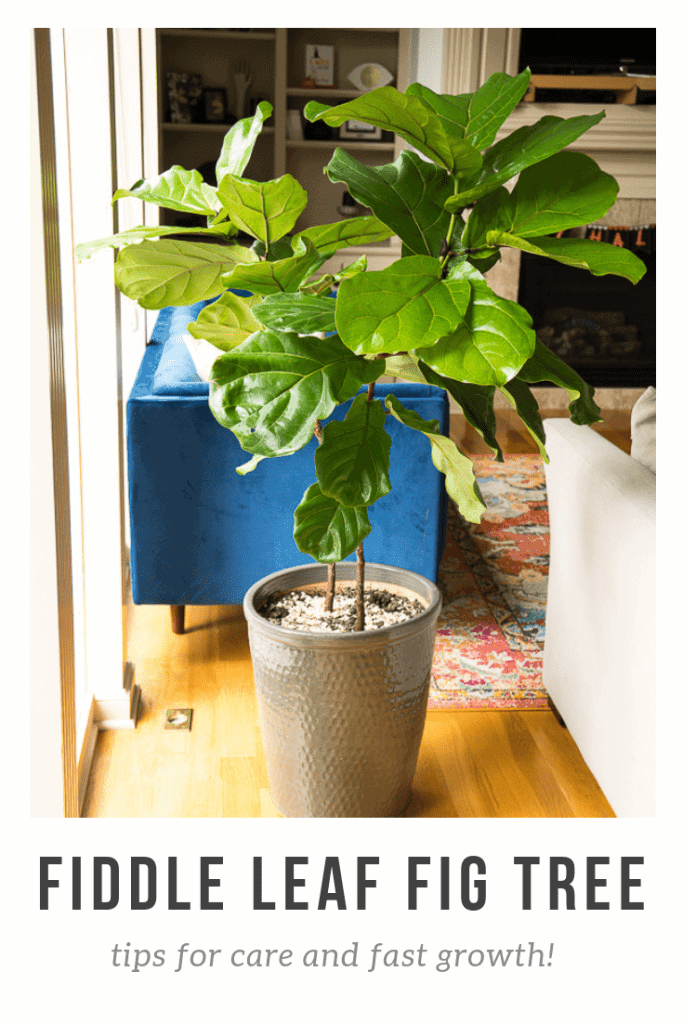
[493,578]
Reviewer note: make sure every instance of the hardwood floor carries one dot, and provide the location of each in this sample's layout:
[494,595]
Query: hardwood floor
[472,763]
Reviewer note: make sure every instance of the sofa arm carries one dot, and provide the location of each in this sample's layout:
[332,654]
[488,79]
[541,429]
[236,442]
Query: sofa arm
[599,660]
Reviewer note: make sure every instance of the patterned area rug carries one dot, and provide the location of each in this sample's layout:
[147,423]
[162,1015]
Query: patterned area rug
[493,578]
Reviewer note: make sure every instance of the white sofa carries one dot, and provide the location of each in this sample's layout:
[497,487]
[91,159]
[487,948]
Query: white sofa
[599,660]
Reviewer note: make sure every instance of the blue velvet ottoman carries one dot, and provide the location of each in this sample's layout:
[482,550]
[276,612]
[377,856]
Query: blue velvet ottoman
[202,534]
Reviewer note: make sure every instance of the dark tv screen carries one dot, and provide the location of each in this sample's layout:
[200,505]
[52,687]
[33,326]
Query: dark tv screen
[587,50]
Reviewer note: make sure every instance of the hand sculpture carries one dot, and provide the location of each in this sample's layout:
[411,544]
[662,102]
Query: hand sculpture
[242,82]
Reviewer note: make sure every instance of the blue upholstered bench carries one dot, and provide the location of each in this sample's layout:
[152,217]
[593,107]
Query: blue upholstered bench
[202,534]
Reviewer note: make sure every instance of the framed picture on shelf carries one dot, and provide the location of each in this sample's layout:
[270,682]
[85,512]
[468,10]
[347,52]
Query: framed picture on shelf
[320,65]
[183,89]
[215,104]
[361,131]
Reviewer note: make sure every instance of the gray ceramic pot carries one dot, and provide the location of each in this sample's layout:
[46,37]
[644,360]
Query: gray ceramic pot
[342,714]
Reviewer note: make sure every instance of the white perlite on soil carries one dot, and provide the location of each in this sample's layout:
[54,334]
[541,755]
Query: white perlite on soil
[302,610]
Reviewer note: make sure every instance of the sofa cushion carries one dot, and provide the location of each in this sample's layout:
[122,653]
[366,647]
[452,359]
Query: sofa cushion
[644,430]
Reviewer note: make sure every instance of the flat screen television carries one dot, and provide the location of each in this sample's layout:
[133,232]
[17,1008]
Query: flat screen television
[588,51]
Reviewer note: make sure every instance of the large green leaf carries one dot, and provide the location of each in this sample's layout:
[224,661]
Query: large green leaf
[408,117]
[138,234]
[520,397]
[272,389]
[175,189]
[265,209]
[401,307]
[565,191]
[292,311]
[475,400]
[476,117]
[598,257]
[406,368]
[328,238]
[285,275]
[490,345]
[326,530]
[524,147]
[227,322]
[239,143]
[408,195]
[544,365]
[461,482]
[352,461]
[166,273]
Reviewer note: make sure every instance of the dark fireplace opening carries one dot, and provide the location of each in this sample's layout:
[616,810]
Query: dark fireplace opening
[603,327]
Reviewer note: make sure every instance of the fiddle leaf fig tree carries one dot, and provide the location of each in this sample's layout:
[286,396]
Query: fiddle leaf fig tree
[293,350]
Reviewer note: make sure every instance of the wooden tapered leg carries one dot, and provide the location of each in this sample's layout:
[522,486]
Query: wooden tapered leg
[178,618]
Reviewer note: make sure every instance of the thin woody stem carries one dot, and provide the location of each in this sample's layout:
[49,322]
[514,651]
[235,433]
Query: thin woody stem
[360,589]
[331,580]
[332,567]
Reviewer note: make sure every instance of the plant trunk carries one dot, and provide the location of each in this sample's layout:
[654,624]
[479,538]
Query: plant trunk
[332,567]
[360,589]
[329,593]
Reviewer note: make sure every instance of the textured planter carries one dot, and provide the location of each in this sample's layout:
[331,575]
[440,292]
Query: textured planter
[342,714]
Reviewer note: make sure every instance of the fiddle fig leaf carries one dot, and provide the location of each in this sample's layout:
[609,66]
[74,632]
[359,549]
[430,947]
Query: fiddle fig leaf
[406,368]
[358,266]
[408,117]
[249,467]
[476,117]
[490,345]
[476,402]
[352,461]
[279,250]
[408,195]
[175,189]
[285,275]
[138,234]
[239,143]
[386,310]
[524,147]
[544,365]
[598,257]
[167,273]
[265,209]
[461,483]
[272,389]
[293,311]
[227,322]
[565,191]
[326,530]
[328,238]
[520,397]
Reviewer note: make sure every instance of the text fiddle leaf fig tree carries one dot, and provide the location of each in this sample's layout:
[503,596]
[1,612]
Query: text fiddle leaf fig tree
[303,341]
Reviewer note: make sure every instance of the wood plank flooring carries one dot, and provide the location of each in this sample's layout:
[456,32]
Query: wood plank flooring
[472,763]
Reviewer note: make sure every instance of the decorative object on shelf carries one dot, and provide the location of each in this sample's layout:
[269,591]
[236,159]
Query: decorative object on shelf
[183,89]
[294,125]
[242,78]
[349,207]
[215,104]
[320,65]
[308,83]
[370,76]
[361,131]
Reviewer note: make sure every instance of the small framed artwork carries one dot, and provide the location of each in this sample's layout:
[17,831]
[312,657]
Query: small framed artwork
[320,65]
[361,131]
[215,105]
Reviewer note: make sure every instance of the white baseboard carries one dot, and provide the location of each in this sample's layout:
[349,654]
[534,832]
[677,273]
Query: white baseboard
[86,747]
[103,715]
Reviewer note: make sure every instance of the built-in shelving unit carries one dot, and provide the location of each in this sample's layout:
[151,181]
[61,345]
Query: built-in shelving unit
[276,62]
